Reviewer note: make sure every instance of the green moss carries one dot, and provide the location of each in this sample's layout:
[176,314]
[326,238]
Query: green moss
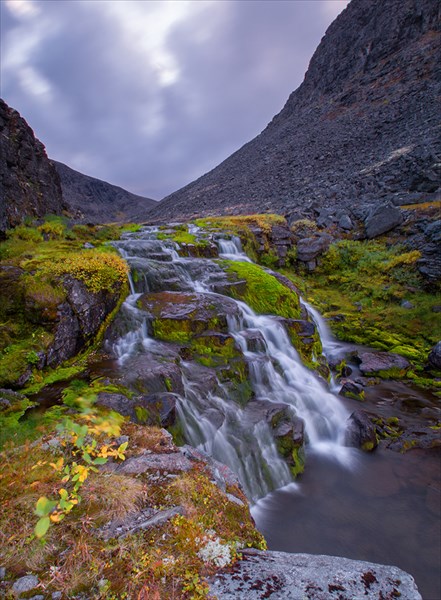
[142,414]
[263,293]
[172,330]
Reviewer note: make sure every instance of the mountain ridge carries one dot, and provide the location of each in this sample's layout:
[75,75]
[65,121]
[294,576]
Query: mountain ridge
[360,129]
[98,201]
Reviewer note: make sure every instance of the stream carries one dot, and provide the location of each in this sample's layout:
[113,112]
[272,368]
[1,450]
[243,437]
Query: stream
[382,507]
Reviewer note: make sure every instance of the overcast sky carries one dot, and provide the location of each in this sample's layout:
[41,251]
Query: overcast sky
[149,95]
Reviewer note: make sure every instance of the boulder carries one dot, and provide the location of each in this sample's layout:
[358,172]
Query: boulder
[309,248]
[360,432]
[382,219]
[154,409]
[350,389]
[284,576]
[24,585]
[435,356]
[383,364]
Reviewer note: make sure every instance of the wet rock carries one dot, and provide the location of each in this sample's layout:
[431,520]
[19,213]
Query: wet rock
[148,374]
[9,398]
[177,316]
[382,219]
[24,585]
[199,250]
[284,576]
[255,340]
[154,409]
[384,364]
[435,356]
[350,389]
[360,432]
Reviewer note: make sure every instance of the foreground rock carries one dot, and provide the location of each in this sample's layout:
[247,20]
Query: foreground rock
[283,576]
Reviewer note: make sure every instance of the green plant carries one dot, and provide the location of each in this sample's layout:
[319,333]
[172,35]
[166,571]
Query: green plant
[86,449]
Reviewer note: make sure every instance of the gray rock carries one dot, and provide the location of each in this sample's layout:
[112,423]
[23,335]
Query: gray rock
[309,248]
[350,389]
[360,432]
[406,304]
[2,573]
[345,223]
[283,576]
[378,363]
[24,584]
[435,356]
[382,219]
[56,595]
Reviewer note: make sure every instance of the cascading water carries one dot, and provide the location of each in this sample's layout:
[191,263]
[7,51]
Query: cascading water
[237,436]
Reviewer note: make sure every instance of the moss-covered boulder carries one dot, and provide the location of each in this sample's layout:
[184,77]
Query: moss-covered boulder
[360,432]
[262,291]
[387,365]
[179,316]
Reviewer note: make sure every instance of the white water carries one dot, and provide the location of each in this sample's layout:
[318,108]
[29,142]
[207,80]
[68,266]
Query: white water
[215,423]
[232,249]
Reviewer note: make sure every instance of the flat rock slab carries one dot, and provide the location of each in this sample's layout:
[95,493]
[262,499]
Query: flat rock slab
[183,305]
[145,519]
[380,362]
[173,462]
[282,576]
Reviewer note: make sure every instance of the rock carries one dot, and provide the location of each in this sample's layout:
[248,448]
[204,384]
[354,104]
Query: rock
[29,183]
[222,474]
[382,219]
[435,356]
[350,389]
[309,248]
[56,595]
[154,409]
[345,223]
[153,375]
[406,304]
[384,364]
[284,576]
[145,519]
[24,585]
[360,432]
[2,573]
[172,462]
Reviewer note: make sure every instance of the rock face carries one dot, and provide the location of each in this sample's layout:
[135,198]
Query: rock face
[283,576]
[29,183]
[359,131]
[97,201]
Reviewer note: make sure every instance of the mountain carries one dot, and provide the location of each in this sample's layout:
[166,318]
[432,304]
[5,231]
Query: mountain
[97,201]
[29,184]
[360,130]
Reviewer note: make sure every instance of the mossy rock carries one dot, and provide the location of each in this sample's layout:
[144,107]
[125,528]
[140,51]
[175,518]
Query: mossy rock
[180,316]
[263,292]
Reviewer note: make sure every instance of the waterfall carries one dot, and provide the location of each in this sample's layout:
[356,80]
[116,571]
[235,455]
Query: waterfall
[232,249]
[212,421]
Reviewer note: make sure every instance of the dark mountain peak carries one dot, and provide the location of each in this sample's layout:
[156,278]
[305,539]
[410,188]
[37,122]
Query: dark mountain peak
[97,201]
[29,183]
[361,129]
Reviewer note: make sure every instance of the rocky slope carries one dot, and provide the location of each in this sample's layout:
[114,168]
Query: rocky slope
[97,201]
[29,183]
[359,131]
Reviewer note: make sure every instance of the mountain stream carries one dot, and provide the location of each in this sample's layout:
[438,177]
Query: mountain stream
[381,507]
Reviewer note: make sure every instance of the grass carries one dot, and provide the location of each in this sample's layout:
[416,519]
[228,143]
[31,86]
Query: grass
[366,282]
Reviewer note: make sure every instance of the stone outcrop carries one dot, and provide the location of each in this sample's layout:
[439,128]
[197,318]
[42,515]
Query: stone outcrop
[283,576]
[96,201]
[359,132]
[29,183]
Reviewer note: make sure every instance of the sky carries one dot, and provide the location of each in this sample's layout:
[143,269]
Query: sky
[150,95]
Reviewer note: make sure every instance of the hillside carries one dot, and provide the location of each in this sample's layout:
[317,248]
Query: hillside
[360,130]
[97,201]
[29,183]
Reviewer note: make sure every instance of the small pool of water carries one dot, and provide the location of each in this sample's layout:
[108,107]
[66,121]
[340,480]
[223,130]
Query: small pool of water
[386,509]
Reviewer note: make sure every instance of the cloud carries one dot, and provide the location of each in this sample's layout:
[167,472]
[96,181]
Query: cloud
[150,95]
